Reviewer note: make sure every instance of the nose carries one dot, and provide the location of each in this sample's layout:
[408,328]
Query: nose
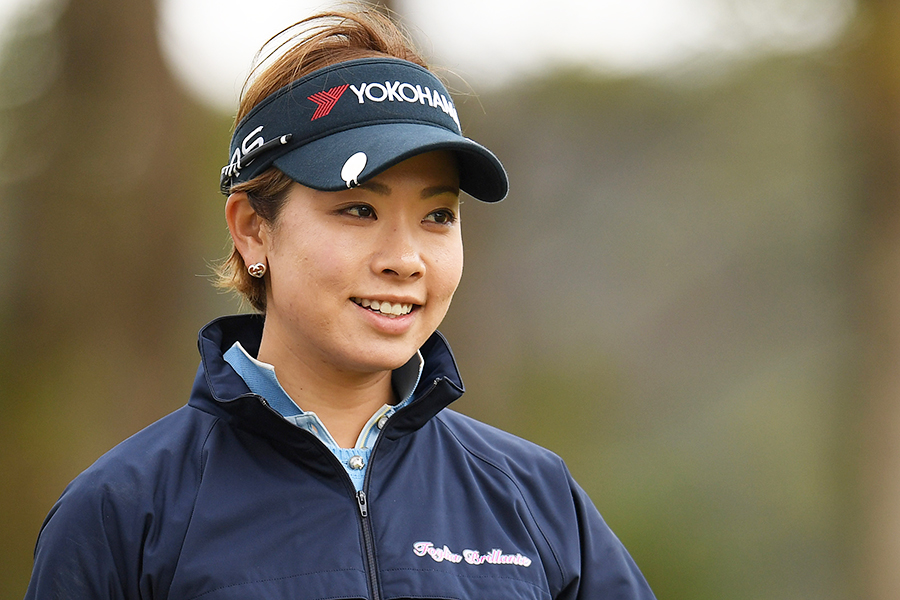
[400,254]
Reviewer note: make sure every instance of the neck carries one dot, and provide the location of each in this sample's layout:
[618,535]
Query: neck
[343,400]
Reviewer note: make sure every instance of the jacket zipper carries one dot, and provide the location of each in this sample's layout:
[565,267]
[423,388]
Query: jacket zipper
[369,542]
[363,505]
[362,502]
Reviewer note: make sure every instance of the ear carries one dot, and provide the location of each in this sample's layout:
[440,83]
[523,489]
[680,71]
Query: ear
[247,228]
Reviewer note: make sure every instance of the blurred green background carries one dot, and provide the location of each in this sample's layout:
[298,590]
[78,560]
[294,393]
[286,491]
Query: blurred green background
[692,293]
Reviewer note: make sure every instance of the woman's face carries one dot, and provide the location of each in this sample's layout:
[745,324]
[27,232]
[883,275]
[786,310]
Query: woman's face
[359,279]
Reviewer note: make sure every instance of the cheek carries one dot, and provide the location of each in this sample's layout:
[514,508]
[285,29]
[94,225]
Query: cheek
[450,266]
[303,272]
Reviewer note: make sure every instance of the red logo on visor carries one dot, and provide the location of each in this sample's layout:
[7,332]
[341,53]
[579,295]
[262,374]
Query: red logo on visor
[327,100]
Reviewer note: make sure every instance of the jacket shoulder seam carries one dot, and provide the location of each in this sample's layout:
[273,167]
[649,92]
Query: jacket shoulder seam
[199,464]
[512,480]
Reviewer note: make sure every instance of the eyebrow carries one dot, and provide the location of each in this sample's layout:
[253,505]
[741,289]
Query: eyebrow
[375,187]
[384,190]
[440,189]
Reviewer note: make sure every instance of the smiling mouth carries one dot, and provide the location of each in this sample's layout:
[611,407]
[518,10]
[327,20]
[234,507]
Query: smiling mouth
[388,309]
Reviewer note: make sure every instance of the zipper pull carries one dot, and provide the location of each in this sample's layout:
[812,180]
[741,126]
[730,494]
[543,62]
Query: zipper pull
[363,503]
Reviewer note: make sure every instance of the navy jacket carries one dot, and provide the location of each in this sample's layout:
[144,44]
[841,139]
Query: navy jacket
[224,499]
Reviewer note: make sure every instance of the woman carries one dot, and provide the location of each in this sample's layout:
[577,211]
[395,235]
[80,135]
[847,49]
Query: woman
[316,457]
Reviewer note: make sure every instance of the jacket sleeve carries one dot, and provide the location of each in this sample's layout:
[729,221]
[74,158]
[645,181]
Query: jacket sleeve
[81,552]
[604,569]
[117,530]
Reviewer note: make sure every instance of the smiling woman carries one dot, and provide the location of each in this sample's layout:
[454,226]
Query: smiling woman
[317,456]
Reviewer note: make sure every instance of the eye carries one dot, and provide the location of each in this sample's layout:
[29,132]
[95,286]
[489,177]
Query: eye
[362,211]
[443,216]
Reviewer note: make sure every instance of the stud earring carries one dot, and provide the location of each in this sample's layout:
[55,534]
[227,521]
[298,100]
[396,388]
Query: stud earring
[257,270]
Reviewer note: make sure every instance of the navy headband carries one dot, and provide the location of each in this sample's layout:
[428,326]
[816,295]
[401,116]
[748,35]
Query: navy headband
[337,127]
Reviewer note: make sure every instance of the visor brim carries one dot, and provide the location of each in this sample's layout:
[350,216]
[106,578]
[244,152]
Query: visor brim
[319,163]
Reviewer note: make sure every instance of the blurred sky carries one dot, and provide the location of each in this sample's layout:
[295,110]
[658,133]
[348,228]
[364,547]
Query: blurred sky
[210,43]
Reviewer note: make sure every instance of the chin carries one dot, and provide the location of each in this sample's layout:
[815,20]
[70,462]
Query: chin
[376,361]
[390,363]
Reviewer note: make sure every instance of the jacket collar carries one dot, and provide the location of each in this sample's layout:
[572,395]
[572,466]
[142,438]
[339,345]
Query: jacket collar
[220,391]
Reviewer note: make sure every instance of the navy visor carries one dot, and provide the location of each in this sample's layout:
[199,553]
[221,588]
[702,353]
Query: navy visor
[337,127]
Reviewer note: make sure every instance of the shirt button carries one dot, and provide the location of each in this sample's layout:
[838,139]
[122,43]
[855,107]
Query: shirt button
[382,421]
[357,462]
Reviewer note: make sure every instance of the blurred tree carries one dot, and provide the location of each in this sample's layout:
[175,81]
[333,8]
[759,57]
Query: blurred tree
[101,165]
[875,85]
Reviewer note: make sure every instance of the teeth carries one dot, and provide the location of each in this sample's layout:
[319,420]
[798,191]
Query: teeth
[386,308]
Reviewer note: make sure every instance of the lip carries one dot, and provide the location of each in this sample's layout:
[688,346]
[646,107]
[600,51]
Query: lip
[389,324]
[391,298]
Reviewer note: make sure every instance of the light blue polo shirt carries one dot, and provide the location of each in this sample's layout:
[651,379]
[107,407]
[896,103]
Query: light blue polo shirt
[260,378]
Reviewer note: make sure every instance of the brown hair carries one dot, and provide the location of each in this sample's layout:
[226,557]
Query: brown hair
[313,43]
